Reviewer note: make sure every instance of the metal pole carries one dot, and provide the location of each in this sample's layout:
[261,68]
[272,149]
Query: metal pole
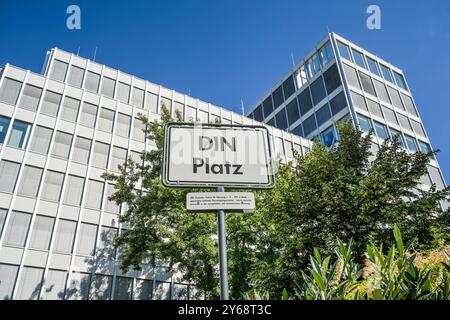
[222,252]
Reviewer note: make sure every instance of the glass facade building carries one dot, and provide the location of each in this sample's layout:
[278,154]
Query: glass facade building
[59,131]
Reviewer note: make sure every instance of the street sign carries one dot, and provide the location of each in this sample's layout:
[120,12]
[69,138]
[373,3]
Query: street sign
[227,201]
[213,155]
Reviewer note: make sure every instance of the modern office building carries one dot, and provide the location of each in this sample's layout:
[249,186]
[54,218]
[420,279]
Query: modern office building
[62,128]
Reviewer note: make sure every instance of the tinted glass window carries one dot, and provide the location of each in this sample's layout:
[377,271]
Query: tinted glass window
[367,84]
[400,80]
[288,87]
[304,101]
[359,59]
[4,125]
[323,114]
[258,114]
[281,119]
[332,79]
[373,66]
[386,73]
[338,103]
[318,90]
[364,123]
[381,130]
[278,97]
[309,125]
[268,106]
[328,137]
[292,111]
[344,51]
[298,131]
[411,143]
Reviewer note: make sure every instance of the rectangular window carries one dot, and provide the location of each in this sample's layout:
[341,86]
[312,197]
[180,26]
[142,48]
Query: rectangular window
[382,92]
[397,136]
[143,290]
[292,111]
[328,137]
[79,286]
[359,58]
[332,79]
[69,111]
[400,80]
[106,120]
[404,122]
[123,288]
[395,96]
[119,156]
[167,103]
[106,249]
[75,76]
[64,236]
[323,114]
[281,119]
[108,86]
[10,90]
[191,114]
[61,145]
[92,81]
[111,206]
[138,130]
[17,229]
[19,135]
[123,125]
[301,77]
[436,177]
[3,213]
[288,87]
[123,92]
[409,105]
[381,130]
[86,239]
[298,131]
[318,90]
[40,143]
[74,190]
[268,106]
[162,290]
[423,147]
[81,150]
[389,115]
[4,125]
[88,115]
[8,275]
[338,103]
[288,149]
[309,125]
[352,77]
[373,66]
[100,155]
[326,53]
[54,286]
[418,128]
[50,104]
[151,102]
[94,194]
[8,175]
[30,97]
[138,97]
[101,287]
[386,73]
[178,110]
[59,70]
[411,143]
[364,123]
[374,108]
[29,185]
[344,51]
[51,190]
[367,84]
[42,233]
[278,98]
[29,285]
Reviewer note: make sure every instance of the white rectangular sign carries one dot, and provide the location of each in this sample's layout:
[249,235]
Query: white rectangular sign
[211,155]
[208,201]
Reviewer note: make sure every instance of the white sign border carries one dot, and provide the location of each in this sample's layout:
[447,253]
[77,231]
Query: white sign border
[165,156]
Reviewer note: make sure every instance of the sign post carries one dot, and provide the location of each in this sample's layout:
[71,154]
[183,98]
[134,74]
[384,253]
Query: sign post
[218,156]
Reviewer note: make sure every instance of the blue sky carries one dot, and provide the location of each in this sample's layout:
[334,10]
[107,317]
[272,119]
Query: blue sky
[225,51]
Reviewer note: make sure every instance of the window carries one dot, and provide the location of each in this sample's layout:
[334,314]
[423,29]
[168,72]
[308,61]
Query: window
[288,149]
[76,75]
[400,80]
[258,113]
[338,103]
[151,102]
[298,149]
[19,135]
[389,115]
[59,70]
[92,81]
[88,115]
[436,177]
[326,53]
[4,125]
[395,96]
[8,275]
[374,108]
[364,123]
[70,108]
[344,51]
[318,90]
[74,190]
[8,175]
[108,85]
[106,120]
[367,84]
[10,91]
[138,97]
[300,77]
[42,232]
[106,249]
[64,236]
[40,143]
[304,101]
[111,206]
[50,104]
[94,194]
[309,125]
[382,92]
[81,150]
[203,116]
[281,119]
[100,155]
[191,114]
[138,130]
[386,73]
[411,143]
[29,284]
[332,79]
[409,105]
[3,213]
[373,66]
[271,122]
[323,114]
[136,156]
[79,286]
[17,230]
[29,185]
[423,147]
[268,106]
[278,98]
[51,190]
[397,136]
[54,285]
[288,87]
[30,97]
[86,239]
[123,288]
[61,146]
[292,111]
[328,137]
[101,287]
[418,128]
[119,156]
[143,290]
[123,92]
[381,130]
[359,59]
[352,77]
[162,290]
[178,108]
[123,125]
[404,122]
